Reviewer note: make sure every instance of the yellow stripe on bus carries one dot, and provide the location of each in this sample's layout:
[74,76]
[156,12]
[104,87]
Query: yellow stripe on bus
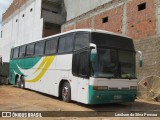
[47,61]
[41,65]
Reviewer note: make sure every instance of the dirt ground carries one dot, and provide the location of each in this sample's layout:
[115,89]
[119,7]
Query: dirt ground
[16,99]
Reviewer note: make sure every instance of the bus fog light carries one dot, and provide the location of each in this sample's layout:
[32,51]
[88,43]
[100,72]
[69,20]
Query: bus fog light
[100,87]
[133,87]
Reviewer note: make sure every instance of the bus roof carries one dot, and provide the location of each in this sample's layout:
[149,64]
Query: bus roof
[78,30]
[87,30]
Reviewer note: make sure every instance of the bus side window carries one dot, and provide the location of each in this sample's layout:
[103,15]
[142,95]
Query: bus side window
[11,55]
[22,51]
[15,53]
[51,46]
[30,50]
[69,43]
[39,48]
[61,46]
[81,40]
[80,64]
[75,64]
[83,64]
[65,44]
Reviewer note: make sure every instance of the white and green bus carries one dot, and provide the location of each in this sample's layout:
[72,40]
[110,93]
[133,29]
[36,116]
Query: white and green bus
[87,66]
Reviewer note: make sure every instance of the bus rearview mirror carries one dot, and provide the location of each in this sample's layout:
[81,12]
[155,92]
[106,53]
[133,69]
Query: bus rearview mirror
[140,59]
[93,55]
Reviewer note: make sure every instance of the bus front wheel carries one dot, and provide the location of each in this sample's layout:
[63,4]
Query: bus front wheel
[66,92]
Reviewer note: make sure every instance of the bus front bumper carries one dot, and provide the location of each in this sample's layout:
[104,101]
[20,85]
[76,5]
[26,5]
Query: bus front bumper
[110,96]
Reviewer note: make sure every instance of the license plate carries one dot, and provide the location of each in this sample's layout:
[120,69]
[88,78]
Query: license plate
[117,97]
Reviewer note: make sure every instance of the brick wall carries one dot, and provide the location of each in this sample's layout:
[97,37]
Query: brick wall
[140,24]
[84,23]
[51,31]
[15,5]
[114,17]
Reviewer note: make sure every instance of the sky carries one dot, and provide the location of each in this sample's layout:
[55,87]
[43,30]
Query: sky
[4,4]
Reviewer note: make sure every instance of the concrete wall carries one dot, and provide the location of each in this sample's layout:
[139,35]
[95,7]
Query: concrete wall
[52,12]
[124,18]
[22,26]
[75,8]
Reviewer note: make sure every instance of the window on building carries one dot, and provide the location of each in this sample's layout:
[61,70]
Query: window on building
[30,50]
[141,6]
[22,51]
[15,52]
[81,41]
[16,20]
[65,44]
[51,46]
[105,20]
[39,48]
[31,9]
[23,15]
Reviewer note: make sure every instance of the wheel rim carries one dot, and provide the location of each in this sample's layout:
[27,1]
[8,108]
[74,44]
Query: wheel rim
[17,83]
[65,92]
[21,84]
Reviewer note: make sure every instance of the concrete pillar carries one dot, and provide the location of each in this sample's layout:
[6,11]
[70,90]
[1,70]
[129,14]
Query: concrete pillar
[124,19]
[158,16]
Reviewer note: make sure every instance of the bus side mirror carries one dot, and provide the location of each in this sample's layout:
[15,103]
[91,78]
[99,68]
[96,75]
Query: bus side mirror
[140,59]
[93,54]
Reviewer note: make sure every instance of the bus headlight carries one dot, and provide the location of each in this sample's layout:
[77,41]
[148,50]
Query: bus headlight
[100,87]
[133,87]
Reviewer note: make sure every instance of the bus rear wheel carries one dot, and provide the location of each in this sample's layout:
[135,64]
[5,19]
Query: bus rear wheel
[22,82]
[17,81]
[66,92]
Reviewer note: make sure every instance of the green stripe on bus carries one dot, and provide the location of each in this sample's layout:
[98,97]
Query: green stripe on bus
[26,63]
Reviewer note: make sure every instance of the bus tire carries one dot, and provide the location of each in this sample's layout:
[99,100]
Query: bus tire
[66,92]
[17,81]
[22,82]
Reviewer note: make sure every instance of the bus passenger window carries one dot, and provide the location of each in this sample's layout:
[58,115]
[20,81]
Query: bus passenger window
[69,43]
[51,46]
[39,48]
[81,41]
[61,47]
[22,51]
[83,64]
[30,50]
[80,64]
[15,53]
[65,44]
[75,64]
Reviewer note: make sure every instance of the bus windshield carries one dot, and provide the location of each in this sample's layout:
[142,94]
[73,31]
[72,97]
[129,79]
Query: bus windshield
[114,63]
